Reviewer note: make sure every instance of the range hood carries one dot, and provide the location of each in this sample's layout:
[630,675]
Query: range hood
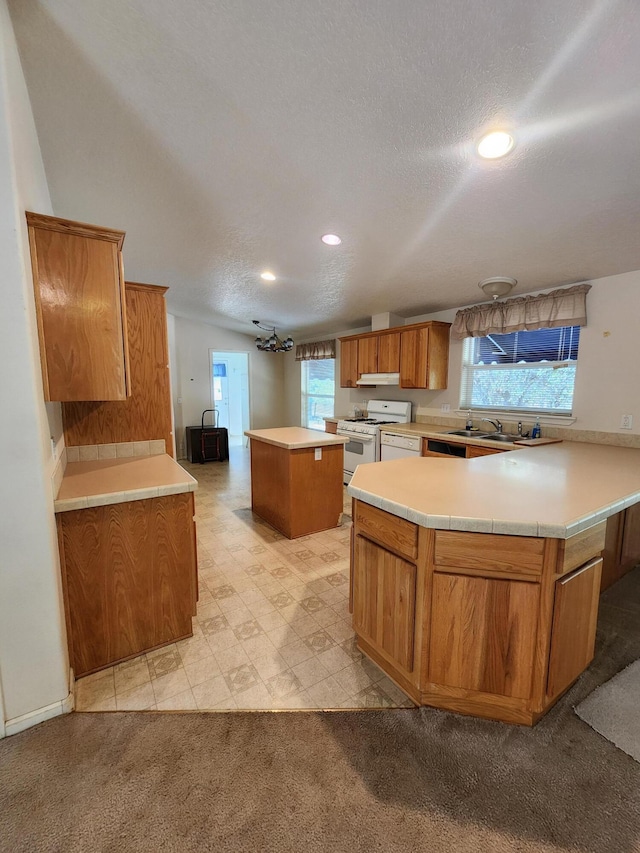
[379,379]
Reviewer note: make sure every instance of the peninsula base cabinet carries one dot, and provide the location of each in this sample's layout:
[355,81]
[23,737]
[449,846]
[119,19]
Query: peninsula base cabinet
[129,578]
[490,625]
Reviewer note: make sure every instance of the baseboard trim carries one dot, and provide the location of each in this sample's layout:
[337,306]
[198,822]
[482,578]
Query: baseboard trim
[56,709]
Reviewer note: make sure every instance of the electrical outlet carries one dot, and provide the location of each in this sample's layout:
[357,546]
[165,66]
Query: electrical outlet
[626,422]
[445,407]
[318,454]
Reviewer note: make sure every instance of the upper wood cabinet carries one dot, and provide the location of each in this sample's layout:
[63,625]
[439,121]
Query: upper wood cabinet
[389,353]
[349,364]
[146,414]
[419,353]
[367,355]
[79,295]
[424,356]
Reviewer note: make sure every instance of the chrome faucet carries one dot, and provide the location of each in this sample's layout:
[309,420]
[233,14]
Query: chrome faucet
[496,424]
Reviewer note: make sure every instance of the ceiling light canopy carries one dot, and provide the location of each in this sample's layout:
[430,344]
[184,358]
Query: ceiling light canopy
[273,342]
[267,276]
[331,239]
[495,144]
[497,286]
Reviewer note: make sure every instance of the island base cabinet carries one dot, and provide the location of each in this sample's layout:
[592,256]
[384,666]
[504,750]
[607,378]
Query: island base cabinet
[489,625]
[128,574]
[573,631]
[483,634]
[385,596]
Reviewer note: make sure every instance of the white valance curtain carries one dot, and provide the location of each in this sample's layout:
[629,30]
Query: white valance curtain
[316,350]
[566,306]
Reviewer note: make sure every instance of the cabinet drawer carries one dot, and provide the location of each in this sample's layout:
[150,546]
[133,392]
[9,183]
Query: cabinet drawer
[582,547]
[396,533]
[488,552]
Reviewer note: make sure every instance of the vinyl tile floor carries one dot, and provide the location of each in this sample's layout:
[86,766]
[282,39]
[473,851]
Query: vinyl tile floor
[272,631]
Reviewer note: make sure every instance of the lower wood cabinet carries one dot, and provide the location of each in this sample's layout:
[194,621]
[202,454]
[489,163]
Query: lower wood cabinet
[385,602]
[483,634]
[491,625]
[129,576]
[622,546]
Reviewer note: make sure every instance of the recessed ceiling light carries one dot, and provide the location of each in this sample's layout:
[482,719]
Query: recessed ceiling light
[268,276]
[495,144]
[331,239]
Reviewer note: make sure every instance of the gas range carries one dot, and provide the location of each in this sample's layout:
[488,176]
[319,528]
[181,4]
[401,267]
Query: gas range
[364,433]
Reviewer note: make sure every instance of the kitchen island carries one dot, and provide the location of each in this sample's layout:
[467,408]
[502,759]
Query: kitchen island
[475,583]
[296,479]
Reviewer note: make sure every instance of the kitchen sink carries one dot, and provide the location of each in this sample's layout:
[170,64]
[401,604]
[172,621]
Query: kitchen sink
[488,436]
[500,436]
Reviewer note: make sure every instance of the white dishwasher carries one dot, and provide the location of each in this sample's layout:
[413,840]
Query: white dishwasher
[393,445]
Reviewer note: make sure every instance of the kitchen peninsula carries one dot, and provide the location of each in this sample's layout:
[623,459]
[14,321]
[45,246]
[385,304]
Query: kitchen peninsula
[296,479]
[475,582]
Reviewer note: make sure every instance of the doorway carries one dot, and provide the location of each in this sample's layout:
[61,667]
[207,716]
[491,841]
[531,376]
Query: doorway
[230,392]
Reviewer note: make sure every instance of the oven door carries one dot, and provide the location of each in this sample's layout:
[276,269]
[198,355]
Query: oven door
[357,451]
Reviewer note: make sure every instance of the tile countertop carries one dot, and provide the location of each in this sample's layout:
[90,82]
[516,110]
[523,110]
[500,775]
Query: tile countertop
[552,491]
[295,438]
[432,431]
[111,481]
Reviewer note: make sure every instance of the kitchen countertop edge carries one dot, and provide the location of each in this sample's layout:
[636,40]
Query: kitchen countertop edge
[295,438]
[154,476]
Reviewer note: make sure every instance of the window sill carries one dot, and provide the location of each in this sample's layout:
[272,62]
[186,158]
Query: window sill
[505,414]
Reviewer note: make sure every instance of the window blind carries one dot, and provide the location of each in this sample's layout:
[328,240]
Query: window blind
[528,371]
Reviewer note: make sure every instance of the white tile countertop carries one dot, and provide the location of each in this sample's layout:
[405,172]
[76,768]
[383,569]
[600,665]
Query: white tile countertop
[295,438]
[553,491]
[109,481]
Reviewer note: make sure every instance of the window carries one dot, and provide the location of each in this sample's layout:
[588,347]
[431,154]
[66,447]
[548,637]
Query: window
[318,390]
[521,371]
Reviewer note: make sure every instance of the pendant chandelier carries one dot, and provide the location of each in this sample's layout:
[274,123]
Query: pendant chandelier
[272,343]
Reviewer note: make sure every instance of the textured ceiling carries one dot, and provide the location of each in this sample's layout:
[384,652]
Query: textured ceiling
[226,137]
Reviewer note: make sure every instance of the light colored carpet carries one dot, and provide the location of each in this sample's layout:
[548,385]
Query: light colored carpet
[613,710]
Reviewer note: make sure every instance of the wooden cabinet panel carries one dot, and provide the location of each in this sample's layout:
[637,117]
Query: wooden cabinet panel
[611,567]
[78,291]
[385,601]
[474,451]
[395,533]
[573,631]
[519,555]
[146,414]
[348,364]
[483,634]
[586,545]
[389,353]
[630,546]
[367,355]
[424,357]
[414,354]
[330,426]
[128,576]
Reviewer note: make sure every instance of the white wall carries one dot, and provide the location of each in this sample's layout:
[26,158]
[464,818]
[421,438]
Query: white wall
[607,378]
[190,343]
[33,650]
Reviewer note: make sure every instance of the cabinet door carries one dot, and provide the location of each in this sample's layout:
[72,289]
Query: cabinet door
[473,451]
[367,355]
[414,353]
[424,357]
[630,549]
[79,303]
[348,364]
[483,634]
[573,632]
[146,414]
[389,353]
[384,596]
